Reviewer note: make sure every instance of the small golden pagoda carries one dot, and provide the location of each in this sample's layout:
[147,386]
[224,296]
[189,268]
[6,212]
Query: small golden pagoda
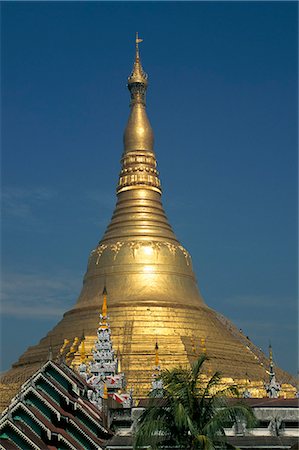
[153,293]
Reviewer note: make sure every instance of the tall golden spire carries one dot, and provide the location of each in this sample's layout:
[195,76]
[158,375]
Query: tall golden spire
[139,161]
[139,251]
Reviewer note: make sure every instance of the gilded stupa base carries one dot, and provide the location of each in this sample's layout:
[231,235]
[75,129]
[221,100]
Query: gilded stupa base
[182,334]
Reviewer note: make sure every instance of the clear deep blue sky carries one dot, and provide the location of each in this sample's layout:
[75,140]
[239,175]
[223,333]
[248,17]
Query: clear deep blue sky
[222,101]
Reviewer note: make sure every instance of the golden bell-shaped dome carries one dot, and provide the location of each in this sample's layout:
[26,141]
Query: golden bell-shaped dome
[139,255]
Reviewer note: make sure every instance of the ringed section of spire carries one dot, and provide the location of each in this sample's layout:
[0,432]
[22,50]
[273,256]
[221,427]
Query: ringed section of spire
[139,169]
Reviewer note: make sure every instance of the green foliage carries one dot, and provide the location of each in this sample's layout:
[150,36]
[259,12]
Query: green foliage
[190,415]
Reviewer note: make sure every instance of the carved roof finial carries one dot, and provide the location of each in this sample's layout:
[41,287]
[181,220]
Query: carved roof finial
[273,387]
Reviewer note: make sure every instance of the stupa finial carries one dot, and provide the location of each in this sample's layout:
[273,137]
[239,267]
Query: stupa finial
[138,75]
[273,387]
[138,40]
[139,165]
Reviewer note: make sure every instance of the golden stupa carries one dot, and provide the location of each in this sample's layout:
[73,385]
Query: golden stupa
[152,290]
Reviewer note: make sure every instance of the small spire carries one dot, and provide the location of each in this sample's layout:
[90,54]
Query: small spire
[138,75]
[104,314]
[246,393]
[273,387]
[118,361]
[104,307]
[157,354]
[65,343]
[50,353]
[270,354]
[271,365]
[105,392]
[72,350]
[82,349]
[62,349]
[138,40]
[157,383]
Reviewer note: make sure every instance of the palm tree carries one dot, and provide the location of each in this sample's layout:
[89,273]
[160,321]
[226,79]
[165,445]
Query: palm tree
[189,415]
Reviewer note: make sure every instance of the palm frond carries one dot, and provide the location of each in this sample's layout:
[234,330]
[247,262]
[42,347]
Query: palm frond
[154,427]
[197,365]
[213,381]
[190,415]
[203,442]
[229,415]
[223,445]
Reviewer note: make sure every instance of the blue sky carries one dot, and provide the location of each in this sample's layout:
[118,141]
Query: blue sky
[222,101]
